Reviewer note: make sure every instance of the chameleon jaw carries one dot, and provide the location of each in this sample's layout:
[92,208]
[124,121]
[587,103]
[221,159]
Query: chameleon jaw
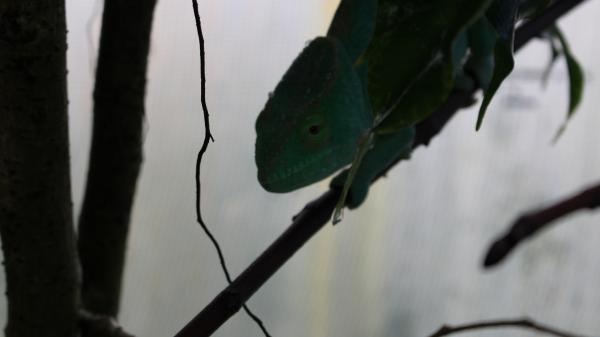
[289,178]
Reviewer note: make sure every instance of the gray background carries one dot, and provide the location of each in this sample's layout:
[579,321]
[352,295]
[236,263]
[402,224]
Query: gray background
[403,264]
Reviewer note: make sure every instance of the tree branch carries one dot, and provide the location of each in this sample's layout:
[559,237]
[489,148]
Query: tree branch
[522,323]
[533,28]
[532,222]
[36,221]
[116,151]
[314,216]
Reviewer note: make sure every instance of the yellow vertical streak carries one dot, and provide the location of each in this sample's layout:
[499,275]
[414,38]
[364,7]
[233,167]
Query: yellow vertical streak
[321,277]
[372,256]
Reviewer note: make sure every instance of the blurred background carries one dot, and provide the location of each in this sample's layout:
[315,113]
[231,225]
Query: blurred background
[406,262]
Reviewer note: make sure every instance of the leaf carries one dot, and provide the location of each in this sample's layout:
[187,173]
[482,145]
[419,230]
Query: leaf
[353,24]
[576,78]
[482,40]
[502,15]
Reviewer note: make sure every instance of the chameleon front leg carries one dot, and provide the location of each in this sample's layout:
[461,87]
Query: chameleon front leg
[385,150]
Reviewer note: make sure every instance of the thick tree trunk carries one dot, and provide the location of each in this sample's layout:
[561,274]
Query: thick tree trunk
[35,195]
[116,153]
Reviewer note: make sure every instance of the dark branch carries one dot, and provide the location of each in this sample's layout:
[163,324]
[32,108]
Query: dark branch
[534,28]
[314,216]
[532,222]
[304,226]
[523,323]
[116,151]
[36,220]
[207,138]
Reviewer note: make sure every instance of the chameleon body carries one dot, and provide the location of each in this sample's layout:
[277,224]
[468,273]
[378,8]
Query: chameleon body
[354,96]
[379,71]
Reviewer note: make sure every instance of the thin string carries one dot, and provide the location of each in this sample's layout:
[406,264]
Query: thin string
[207,138]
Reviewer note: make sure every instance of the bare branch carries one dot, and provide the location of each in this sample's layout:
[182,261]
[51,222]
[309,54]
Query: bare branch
[532,222]
[523,323]
[534,28]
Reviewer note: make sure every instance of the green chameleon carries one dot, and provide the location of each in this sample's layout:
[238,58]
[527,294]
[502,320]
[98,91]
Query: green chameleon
[354,96]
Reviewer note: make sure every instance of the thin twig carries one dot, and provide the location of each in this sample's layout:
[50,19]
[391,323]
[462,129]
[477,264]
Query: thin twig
[207,138]
[532,222]
[312,218]
[523,323]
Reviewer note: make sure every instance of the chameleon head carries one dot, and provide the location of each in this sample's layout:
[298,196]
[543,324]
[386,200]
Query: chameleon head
[310,125]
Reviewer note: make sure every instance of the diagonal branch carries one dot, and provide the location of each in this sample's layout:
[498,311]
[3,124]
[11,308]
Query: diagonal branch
[116,152]
[317,213]
[523,323]
[532,222]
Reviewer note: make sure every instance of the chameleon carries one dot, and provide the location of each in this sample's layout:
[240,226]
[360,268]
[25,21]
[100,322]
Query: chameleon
[352,97]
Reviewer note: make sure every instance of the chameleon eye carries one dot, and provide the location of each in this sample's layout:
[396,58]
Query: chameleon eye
[314,130]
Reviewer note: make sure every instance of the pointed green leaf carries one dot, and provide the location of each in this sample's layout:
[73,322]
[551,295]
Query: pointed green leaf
[502,14]
[576,78]
[503,66]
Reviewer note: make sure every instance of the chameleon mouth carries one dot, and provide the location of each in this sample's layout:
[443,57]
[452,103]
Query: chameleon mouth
[272,180]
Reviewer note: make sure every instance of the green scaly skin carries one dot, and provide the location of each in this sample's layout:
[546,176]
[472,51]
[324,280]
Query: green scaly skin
[301,136]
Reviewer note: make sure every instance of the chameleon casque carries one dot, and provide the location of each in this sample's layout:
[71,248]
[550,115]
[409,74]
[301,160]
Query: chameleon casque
[354,95]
